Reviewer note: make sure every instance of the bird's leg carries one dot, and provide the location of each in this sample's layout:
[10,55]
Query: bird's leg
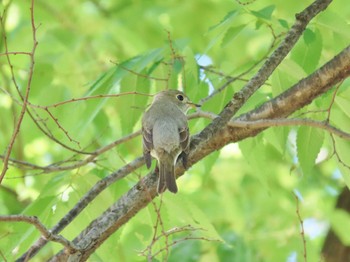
[183,157]
[156,170]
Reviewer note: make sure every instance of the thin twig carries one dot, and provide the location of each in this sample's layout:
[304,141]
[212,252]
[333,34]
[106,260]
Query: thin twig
[138,74]
[7,52]
[332,101]
[3,257]
[246,3]
[231,79]
[337,155]
[47,234]
[84,202]
[88,98]
[55,167]
[302,231]
[61,127]
[16,53]
[173,231]
[48,133]
[26,96]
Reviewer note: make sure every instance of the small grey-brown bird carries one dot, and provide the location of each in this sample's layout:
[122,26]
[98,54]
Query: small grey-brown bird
[165,134]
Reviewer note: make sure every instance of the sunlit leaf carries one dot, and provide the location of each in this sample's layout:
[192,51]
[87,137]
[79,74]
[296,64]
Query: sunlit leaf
[264,13]
[307,54]
[228,17]
[230,34]
[309,142]
[344,104]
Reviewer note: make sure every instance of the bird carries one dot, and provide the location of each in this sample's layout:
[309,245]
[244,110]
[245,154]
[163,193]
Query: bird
[165,135]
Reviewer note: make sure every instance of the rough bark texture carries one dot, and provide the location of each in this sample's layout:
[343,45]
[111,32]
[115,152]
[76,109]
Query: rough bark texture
[333,249]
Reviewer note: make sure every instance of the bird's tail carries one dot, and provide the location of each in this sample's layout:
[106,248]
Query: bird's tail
[166,177]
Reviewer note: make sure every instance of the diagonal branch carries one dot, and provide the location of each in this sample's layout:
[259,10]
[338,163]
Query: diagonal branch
[302,20]
[46,234]
[83,202]
[141,194]
[296,97]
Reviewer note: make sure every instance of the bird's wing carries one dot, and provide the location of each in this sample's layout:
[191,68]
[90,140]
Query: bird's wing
[147,141]
[184,138]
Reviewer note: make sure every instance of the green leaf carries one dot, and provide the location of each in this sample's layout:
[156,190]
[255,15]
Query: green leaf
[344,104]
[343,151]
[283,23]
[182,211]
[217,103]
[292,69]
[103,85]
[42,77]
[345,173]
[277,137]
[66,38]
[230,34]
[177,67]
[279,82]
[258,24]
[227,19]
[254,151]
[307,53]
[309,36]
[334,23]
[221,30]
[309,142]
[238,250]
[264,13]
[192,85]
[133,104]
[186,251]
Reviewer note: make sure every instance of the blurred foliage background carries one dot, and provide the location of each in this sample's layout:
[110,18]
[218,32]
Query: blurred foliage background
[243,197]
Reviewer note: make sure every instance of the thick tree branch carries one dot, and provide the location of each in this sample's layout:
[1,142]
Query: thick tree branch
[280,122]
[302,20]
[295,98]
[291,122]
[141,194]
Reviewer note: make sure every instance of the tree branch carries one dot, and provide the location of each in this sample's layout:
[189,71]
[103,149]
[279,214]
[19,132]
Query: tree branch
[25,98]
[279,122]
[83,202]
[302,20]
[141,194]
[291,122]
[46,234]
[56,167]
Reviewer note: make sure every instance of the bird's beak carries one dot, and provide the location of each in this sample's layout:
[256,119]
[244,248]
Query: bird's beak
[193,105]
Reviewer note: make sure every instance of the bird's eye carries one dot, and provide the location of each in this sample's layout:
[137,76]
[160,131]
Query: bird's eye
[180,97]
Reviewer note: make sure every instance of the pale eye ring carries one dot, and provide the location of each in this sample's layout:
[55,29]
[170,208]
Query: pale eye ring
[180,97]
